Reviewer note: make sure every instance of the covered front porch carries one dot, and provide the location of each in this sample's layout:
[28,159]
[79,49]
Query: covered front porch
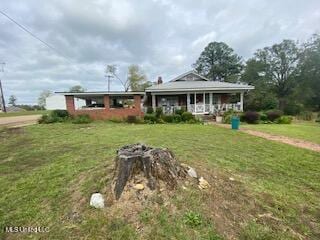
[198,102]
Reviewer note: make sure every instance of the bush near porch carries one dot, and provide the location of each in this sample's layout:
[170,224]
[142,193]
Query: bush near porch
[253,117]
[63,116]
[179,116]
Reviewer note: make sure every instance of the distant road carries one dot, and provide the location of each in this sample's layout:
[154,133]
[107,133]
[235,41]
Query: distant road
[19,121]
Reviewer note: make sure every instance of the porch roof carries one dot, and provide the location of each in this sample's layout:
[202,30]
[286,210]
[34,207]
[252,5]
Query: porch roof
[100,93]
[189,86]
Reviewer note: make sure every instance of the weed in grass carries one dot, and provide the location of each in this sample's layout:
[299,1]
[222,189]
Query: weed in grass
[192,219]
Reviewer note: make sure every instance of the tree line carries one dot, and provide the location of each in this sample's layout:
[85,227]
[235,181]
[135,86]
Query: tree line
[286,75]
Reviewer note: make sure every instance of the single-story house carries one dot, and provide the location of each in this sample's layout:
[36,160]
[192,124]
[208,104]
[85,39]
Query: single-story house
[189,91]
[197,94]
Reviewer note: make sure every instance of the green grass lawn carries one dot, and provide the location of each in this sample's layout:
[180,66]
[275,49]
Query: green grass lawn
[304,130]
[23,113]
[48,172]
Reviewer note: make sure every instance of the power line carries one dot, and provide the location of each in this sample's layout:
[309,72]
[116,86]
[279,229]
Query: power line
[44,42]
[30,33]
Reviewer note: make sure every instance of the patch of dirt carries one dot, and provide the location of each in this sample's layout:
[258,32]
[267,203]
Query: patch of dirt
[278,138]
[283,139]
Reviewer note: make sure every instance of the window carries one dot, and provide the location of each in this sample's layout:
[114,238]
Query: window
[121,102]
[88,102]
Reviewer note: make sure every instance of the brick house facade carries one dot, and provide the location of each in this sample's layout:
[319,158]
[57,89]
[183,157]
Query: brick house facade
[105,110]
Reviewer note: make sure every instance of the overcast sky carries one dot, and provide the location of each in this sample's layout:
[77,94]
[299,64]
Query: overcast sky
[164,37]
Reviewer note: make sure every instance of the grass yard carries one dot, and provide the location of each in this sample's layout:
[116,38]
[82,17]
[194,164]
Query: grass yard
[48,173]
[307,131]
[23,113]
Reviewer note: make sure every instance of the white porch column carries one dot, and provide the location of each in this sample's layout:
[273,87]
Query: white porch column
[241,101]
[188,102]
[195,102]
[204,102]
[210,101]
[153,100]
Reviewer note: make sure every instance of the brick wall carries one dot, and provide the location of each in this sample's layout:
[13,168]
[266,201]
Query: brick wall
[107,112]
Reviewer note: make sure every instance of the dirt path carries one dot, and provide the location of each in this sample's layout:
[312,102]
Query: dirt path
[278,138]
[19,121]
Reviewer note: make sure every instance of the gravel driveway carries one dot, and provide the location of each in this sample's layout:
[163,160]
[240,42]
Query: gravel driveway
[19,121]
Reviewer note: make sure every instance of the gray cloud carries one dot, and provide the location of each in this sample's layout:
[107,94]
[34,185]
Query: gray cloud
[164,37]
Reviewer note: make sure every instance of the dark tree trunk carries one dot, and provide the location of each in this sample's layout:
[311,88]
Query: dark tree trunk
[154,163]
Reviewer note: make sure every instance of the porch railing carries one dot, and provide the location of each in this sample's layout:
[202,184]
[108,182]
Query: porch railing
[202,108]
[214,108]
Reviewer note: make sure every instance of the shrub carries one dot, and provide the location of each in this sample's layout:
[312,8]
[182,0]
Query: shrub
[54,116]
[177,118]
[168,118]
[149,110]
[251,117]
[305,115]
[150,118]
[318,118]
[274,114]
[263,117]
[227,116]
[179,111]
[292,109]
[60,113]
[186,116]
[284,120]
[82,119]
[46,119]
[158,112]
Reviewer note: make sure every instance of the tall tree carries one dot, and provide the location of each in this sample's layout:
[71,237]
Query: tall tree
[309,84]
[137,79]
[12,100]
[77,88]
[218,62]
[280,62]
[262,97]
[42,98]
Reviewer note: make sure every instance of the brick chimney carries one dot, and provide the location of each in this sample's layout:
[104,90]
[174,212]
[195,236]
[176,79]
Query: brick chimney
[159,80]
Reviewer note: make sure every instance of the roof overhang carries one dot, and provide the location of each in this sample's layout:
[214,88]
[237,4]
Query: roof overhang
[220,90]
[100,93]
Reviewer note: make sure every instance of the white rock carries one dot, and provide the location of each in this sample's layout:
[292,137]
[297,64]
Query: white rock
[203,184]
[192,172]
[97,200]
[231,178]
[138,186]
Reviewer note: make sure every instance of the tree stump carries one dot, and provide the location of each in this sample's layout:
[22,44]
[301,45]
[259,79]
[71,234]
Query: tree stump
[155,164]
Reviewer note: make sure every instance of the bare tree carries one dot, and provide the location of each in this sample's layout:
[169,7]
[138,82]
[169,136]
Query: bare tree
[112,70]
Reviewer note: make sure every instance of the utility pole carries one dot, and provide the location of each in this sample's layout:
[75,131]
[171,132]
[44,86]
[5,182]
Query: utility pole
[109,76]
[3,104]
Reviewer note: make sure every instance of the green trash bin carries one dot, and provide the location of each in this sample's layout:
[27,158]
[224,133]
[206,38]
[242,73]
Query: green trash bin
[235,122]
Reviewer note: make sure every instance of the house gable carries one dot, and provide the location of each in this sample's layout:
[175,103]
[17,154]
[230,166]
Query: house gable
[189,76]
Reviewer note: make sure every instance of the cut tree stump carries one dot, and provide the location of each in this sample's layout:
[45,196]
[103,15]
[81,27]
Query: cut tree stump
[155,164]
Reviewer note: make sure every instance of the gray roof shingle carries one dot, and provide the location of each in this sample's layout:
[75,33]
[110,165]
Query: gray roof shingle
[197,85]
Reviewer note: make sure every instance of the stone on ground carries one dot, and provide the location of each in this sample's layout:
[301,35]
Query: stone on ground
[203,184]
[97,200]
[192,172]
